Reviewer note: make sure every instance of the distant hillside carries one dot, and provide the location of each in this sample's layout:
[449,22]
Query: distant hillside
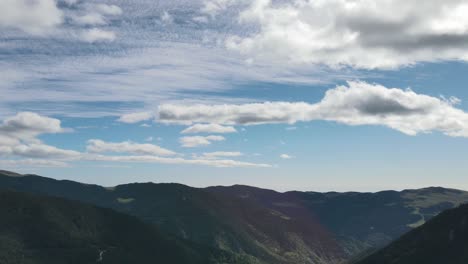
[37,229]
[443,239]
[358,221]
[271,227]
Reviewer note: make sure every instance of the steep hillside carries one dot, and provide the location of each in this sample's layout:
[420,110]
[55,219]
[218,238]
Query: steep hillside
[38,229]
[273,227]
[443,239]
[206,218]
[359,221]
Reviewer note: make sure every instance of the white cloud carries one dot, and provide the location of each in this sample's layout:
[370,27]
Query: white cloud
[36,17]
[218,154]
[286,156]
[97,35]
[196,141]
[209,128]
[363,34]
[90,19]
[112,10]
[166,17]
[18,137]
[32,163]
[28,125]
[359,103]
[290,128]
[19,143]
[136,117]
[205,162]
[215,7]
[99,146]
[43,151]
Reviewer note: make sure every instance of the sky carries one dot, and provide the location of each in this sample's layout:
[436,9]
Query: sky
[311,95]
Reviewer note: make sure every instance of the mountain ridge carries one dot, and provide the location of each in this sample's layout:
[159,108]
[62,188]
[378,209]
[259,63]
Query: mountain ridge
[271,226]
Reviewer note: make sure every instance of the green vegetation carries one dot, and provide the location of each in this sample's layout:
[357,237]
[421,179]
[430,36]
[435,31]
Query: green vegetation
[262,225]
[443,239]
[125,200]
[36,229]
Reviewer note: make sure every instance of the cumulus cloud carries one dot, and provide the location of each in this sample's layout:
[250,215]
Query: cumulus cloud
[31,16]
[286,156]
[97,35]
[28,125]
[209,128]
[136,117]
[99,146]
[358,103]
[363,34]
[196,141]
[19,146]
[18,137]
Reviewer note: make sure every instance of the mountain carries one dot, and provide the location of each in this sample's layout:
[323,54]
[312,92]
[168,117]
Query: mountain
[268,226]
[36,229]
[358,221]
[443,239]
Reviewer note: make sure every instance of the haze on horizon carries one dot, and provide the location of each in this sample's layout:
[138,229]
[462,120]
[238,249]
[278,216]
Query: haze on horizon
[288,95]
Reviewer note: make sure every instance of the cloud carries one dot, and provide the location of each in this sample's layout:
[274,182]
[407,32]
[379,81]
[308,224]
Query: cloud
[209,128]
[32,163]
[106,9]
[36,17]
[18,142]
[196,141]
[358,103]
[364,34]
[99,146]
[286,156]
[136,117]
[92,19]
[205,162]
[215,7]
[97,35]
[43,151]
[18,137]
[166,17]
[218,154]
[28,125]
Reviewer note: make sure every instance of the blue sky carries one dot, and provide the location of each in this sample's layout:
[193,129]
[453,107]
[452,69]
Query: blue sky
[308,95]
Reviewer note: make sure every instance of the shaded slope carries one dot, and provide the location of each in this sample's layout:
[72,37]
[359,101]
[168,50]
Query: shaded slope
[39,229]
[214,220]
[272,227]
[443,239]
[359,221]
